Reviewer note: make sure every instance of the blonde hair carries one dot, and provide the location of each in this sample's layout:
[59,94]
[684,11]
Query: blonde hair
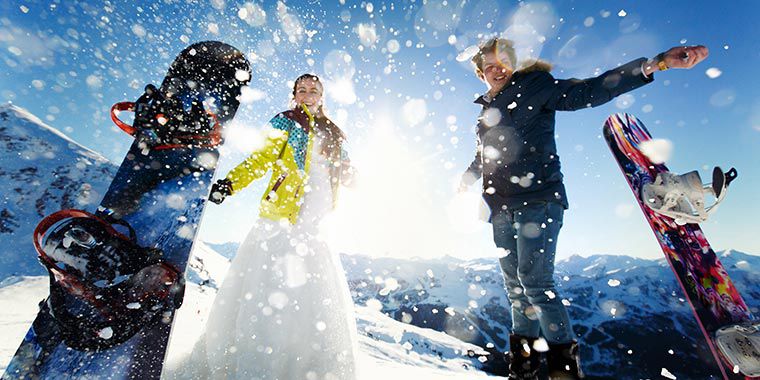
[496,45]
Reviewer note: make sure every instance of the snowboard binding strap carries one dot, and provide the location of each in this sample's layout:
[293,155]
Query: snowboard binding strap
[682,197]
[213,139]
[101,280]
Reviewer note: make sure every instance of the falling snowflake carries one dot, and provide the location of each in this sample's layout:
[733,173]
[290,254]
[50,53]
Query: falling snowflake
[657,150]
[665,373]
[713,72]
[106,333]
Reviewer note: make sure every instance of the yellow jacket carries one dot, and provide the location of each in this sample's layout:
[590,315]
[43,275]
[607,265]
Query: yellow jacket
[287,151]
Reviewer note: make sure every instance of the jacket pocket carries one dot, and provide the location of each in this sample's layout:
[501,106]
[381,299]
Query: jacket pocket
[276,186]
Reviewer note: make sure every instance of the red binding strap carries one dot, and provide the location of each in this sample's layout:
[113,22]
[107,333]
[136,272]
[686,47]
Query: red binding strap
[52,219]
[49,221]
[123,106]
[215,136]
[71,283]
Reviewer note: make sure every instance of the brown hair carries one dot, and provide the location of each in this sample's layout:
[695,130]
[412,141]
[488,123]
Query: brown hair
[333,136]
[496,45]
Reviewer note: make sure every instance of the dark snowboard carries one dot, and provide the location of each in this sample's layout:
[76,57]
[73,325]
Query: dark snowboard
[117,273]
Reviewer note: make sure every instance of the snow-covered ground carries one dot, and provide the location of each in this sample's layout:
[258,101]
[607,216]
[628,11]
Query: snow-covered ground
[396,350]
[19,297]
[390,348]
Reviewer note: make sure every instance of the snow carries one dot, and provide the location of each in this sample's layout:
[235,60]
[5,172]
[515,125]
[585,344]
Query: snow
[382,357]
[657,150]
[414,111]
[723,98]
[665,373]
[713,72]
[43,171]
[389,347]
[382,340]
[19,297]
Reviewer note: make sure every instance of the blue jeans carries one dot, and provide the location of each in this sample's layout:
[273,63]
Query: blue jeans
[529,236]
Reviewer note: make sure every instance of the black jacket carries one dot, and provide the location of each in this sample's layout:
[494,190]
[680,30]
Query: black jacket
[517,153]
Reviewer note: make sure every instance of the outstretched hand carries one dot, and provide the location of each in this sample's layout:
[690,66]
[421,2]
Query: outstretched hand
[685,57]
[220,190]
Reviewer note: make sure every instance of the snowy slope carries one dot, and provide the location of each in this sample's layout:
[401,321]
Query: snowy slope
[41,171]
[628,312]
[388,348]
[19,299]
[655,332]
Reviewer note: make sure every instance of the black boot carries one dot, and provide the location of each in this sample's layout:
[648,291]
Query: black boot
[564,361]
[524,361]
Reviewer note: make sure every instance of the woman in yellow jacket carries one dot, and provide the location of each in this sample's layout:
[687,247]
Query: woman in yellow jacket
[287,151]
[284,310]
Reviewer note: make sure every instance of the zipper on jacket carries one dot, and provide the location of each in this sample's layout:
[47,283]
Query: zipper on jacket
[276,185]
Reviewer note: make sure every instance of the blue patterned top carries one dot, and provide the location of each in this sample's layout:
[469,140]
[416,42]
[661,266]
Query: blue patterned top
[298,138]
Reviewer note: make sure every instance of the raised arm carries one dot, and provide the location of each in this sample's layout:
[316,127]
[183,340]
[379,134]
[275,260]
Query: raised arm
[574,94]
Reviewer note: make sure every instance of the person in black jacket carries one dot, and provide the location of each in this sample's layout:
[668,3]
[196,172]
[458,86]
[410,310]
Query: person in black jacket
[522,184]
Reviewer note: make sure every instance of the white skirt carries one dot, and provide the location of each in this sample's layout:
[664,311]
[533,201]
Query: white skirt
[283,312]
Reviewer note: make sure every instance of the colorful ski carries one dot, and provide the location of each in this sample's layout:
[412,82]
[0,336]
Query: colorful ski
[715,301]
[117,275]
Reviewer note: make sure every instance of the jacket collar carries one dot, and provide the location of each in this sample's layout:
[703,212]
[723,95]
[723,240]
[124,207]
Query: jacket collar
[300,117]
[507,93]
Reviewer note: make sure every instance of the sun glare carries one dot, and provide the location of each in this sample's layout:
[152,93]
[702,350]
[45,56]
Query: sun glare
[390,209]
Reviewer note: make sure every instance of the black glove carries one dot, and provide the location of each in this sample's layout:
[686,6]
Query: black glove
[221,189]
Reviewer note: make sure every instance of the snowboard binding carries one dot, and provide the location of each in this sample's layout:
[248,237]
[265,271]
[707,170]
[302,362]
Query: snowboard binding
[163,121]
[197,96]
[682,197]
[104,287]
[740,346]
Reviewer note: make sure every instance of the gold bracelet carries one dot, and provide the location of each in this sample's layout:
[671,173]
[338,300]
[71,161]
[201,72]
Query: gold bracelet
[661,62]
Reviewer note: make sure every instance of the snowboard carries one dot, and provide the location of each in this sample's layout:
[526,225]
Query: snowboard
[717,305]
[117,272]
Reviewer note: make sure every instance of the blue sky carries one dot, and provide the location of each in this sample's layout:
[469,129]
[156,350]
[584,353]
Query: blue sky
[395,85]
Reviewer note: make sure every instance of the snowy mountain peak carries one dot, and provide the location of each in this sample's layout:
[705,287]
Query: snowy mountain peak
[18,124]
[41,171]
